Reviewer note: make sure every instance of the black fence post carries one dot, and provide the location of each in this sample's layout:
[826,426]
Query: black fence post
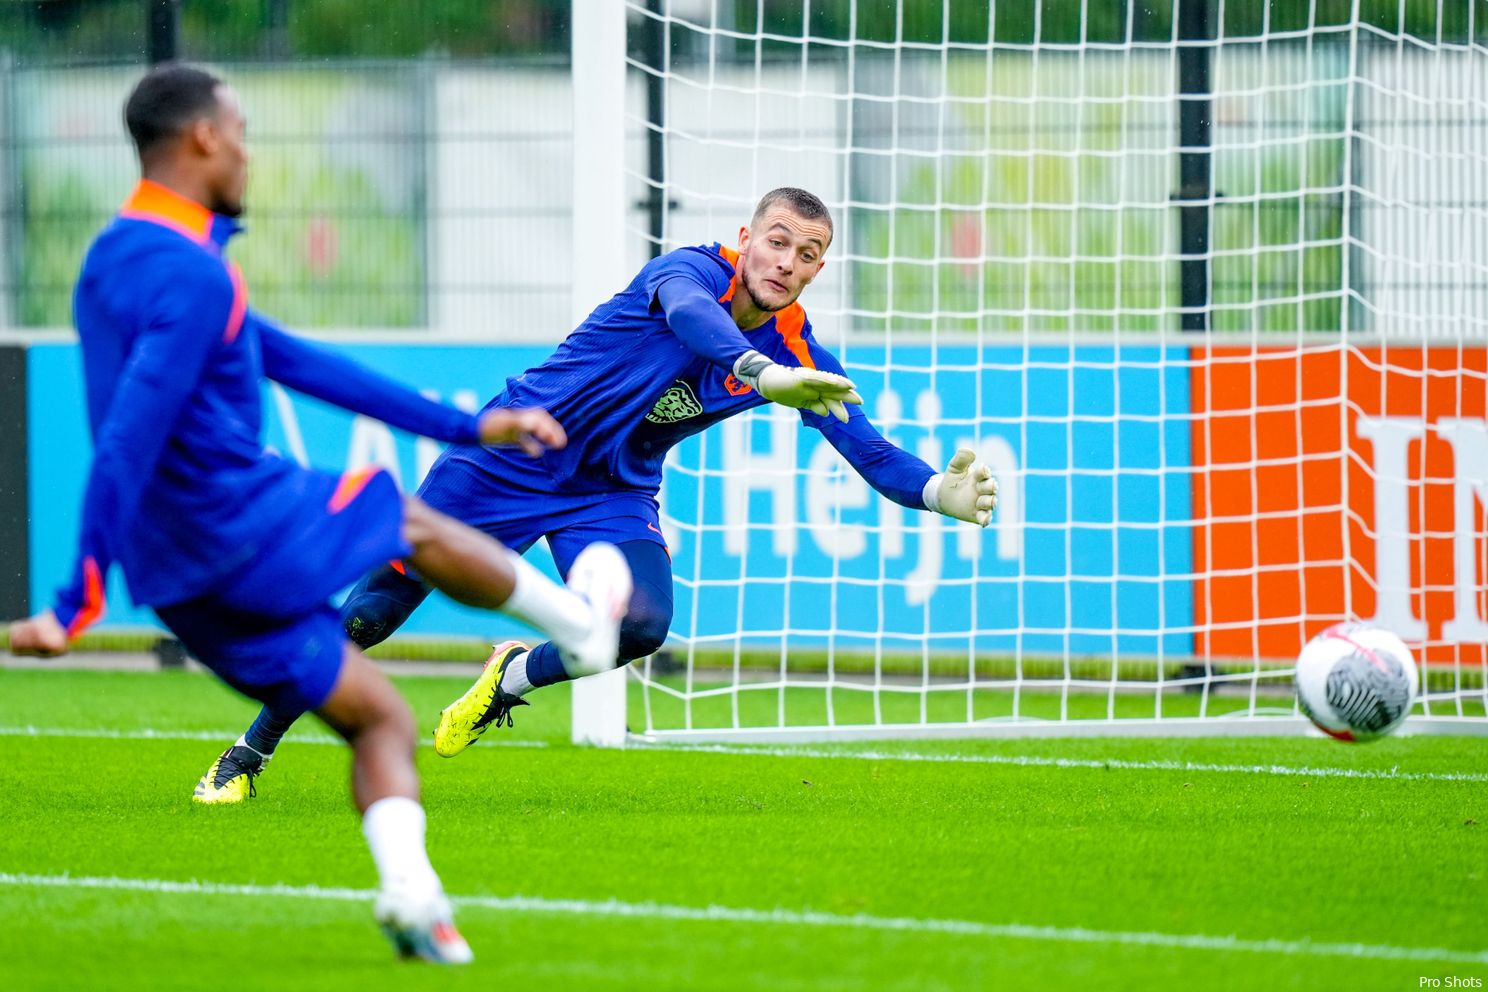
[655,47]
[162,44]
[15,528]
[1195,174]
[276,35]
[162,30]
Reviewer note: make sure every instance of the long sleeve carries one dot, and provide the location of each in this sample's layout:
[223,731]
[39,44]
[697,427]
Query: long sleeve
[323,373]
[892,471]
[699,323]
[190,314]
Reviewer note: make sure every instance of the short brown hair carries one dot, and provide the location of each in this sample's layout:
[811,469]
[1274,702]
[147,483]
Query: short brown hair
[798,201]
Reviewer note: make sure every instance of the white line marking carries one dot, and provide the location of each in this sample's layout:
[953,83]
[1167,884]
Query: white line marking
[787,917]
[206,735]
[1037,761]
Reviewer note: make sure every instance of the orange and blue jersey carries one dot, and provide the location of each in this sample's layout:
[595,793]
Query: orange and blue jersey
[653,366]
[181,493]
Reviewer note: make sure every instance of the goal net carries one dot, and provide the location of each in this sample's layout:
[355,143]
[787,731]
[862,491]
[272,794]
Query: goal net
[1202,282]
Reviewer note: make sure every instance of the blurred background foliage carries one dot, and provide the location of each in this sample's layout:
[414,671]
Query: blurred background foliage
[303,29]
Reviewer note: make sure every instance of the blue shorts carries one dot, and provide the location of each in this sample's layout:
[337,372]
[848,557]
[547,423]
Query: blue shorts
[470,485]
[270,631]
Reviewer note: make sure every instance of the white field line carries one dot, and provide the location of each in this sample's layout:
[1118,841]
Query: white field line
[1116,764]
[1014,760]
[782,917]
[227,736]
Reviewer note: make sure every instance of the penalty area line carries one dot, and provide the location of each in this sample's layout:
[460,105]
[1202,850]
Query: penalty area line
[779,917]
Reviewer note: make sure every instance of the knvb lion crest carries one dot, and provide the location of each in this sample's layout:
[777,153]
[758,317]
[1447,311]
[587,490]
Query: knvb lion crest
[676,404]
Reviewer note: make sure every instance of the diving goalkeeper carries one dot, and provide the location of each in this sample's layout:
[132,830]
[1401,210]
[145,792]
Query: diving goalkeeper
[701,334]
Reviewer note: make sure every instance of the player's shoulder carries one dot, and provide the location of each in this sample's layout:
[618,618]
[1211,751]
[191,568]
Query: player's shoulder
[708,264]
[155,263]
[129,241]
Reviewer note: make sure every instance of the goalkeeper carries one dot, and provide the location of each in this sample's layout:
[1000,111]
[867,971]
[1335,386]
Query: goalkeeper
[701,334]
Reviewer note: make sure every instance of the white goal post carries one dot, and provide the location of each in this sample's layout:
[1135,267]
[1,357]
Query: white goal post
[1205,283]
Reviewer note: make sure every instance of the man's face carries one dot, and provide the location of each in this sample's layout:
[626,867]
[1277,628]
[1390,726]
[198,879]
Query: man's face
[227,158]
[779,255]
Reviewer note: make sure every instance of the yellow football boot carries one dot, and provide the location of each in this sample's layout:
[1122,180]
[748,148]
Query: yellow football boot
[230,779]
[484,703]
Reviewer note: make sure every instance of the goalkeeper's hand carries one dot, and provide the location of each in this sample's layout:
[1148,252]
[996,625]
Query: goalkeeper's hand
[805,389]
[965,490]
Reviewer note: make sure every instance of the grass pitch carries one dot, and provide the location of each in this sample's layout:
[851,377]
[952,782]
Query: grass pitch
[1118,864]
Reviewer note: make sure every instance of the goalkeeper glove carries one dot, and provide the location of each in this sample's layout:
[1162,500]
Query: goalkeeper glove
[965,490]
[805,389]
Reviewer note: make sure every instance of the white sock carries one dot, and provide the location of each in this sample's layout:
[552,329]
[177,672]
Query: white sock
[543,603]
[394,827]
[514,678]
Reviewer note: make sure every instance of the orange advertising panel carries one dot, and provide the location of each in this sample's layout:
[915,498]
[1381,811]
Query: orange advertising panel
[1334,483]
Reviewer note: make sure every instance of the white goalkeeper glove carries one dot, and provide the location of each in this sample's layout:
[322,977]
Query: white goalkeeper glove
[965,490]
[805,389]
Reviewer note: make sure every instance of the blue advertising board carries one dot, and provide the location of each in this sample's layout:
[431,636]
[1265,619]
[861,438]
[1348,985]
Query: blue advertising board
[773,535]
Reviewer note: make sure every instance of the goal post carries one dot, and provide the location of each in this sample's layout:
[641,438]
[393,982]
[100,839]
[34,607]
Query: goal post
[1207,293]
[599,259]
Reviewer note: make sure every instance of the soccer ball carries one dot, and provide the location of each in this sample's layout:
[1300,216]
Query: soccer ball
[1356,682]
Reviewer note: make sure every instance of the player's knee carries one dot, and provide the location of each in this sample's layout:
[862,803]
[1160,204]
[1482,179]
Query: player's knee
[365,622]
[378,606]
[642,633]
[399,721]
[389,722]
[366,709]
[369,618]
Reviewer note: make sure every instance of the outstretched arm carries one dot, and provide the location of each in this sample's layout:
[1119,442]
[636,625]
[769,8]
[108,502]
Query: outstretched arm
[328,375]
[699,323]
[965,490]
[891,470]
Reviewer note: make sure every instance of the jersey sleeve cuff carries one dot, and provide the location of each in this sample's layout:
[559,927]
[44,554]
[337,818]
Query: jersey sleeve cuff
[931,493]
[79,612]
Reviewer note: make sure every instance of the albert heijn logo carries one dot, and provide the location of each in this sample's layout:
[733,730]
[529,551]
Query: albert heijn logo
[1340,483]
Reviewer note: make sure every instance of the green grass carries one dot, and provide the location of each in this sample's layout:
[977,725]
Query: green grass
[1105,847]
[762,662]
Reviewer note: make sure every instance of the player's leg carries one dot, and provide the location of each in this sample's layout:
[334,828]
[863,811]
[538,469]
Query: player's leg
[513,671]
[474,569]
[303,663]
[375,608]
[642,631]
[375,720]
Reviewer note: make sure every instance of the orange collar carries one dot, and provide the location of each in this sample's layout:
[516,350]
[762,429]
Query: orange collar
[158,204]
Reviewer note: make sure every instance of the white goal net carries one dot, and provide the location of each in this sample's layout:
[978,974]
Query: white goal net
[1203,282]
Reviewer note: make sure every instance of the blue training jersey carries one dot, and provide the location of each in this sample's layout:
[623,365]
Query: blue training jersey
[181,492]
[628,385]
